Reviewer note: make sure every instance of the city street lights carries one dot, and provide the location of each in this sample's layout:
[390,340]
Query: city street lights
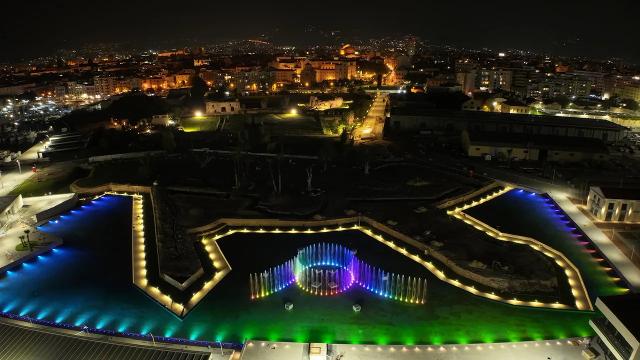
[19,167]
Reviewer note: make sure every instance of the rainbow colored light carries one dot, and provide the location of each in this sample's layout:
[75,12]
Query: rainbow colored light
[330,269]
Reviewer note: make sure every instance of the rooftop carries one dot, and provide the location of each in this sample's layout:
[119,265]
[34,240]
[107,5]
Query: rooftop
[549,142]
[621,193]
[522,119]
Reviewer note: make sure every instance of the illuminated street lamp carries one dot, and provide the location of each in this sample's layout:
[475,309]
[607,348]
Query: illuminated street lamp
[197,113]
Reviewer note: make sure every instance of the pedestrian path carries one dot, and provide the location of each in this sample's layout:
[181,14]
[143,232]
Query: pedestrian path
[620,262]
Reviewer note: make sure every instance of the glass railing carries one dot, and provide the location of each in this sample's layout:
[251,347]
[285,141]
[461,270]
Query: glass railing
[613,336]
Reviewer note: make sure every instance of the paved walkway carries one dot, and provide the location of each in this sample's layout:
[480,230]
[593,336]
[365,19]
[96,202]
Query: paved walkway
[621,262]
[10,239]
[12,178]
[534,350]
[30,156]
[24,219]
[373,124]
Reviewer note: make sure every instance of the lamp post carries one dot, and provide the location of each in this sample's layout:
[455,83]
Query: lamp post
[19,167]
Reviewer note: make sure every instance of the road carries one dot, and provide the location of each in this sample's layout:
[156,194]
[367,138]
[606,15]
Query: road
[373,124]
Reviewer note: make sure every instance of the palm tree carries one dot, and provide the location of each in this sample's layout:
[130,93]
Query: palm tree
[21,237]
[28,240]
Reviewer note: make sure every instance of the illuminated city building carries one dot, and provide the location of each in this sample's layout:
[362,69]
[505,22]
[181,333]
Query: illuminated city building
[312,70]
[614,204]
[222,107]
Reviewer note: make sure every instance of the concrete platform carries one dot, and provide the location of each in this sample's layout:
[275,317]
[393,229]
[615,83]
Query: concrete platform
[34,211]
[531,350]
[620,262]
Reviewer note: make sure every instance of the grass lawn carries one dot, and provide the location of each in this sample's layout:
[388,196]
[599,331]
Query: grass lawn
[52,179]
[200,123]
[34,244]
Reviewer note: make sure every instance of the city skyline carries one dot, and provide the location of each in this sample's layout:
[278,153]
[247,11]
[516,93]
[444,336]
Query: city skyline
[319,180]
[568,29]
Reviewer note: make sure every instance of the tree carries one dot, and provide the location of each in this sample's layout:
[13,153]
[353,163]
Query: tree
[344,136]
[326,154]
[168,141]
[27,232]
[239,158]
[22,242]
[563,100]
[309,177]
[198,89]
[145,170]
[630,104]
[276,175]
[137,106]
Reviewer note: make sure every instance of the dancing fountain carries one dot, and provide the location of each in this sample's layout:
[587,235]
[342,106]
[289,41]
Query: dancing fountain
[330,269]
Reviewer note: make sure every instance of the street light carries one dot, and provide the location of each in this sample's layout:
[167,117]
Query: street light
[19,166]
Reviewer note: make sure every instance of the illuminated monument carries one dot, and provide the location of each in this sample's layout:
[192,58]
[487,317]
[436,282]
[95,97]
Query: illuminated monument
[330,269]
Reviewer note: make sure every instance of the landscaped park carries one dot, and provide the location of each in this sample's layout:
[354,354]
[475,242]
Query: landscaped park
[474,293]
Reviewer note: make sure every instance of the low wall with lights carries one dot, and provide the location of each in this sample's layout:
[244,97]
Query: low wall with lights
[139,254]
[574,278]
[448,203]
[139,278]
[226,227]
[139,265]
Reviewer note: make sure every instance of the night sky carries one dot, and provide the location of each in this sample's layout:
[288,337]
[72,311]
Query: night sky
[571,27]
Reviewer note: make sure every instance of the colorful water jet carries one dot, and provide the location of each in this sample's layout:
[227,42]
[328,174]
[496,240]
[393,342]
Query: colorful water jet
[330,269]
